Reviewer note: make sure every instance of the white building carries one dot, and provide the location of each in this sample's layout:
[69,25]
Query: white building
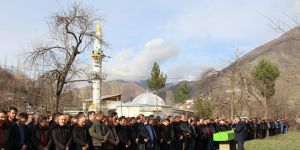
[147,104]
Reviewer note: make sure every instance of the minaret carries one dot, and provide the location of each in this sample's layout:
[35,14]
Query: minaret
[97,56]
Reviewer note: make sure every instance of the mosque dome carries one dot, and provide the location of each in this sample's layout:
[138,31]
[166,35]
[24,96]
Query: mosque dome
[148,99]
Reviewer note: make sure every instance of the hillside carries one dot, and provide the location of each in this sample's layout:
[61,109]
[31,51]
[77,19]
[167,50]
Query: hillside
[16,89]
[129,90]
[284,51]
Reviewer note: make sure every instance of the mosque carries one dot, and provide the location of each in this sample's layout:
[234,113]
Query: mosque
[147,104]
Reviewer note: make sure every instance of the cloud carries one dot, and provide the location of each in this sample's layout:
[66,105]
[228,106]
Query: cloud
[130,64]
[183,71]
[296,6]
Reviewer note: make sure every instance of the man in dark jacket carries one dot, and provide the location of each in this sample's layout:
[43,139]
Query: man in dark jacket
[21,133]
[186,132]
[81,136]
[41,137]
[133,133]
[164,135]
[5,132]
[61,134]
[123,133]
[239,133]
[208,134]
[141,132]
[200,136]
[178,134]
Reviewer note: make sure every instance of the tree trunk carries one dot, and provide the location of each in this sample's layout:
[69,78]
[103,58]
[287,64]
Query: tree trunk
[62,78]
[266,104]
[266,114]
[57,98]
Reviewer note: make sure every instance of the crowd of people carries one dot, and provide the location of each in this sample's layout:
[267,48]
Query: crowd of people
[96,131]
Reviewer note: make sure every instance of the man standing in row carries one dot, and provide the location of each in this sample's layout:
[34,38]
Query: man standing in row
[239,132]
[141,132]
[41,137]
[5,132]
[98,132]
[81,137]
[21,133]
[62,135]
[124,134]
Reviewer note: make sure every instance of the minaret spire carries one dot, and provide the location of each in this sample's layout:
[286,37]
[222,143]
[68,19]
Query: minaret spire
[98,46]
[97,57]
[98,29]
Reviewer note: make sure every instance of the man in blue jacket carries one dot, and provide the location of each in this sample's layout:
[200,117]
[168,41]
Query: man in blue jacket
[239,132]
[21,133]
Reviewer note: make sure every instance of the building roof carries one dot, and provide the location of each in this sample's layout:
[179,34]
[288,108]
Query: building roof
[116,97]
[148,99]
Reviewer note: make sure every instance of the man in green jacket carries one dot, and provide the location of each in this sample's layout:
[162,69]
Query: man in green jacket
[98,132]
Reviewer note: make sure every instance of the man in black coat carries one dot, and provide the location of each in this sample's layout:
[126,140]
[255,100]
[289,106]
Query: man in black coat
[178,134]
[208,135]
[200,136]
[124,134]
[186,132]
[141,132]
[239,133]
[41,137]
[62,135]
[259,130]
[133,133]
[165,137]
[5,132]
[81,136]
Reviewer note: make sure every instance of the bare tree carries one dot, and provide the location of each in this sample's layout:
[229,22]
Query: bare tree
[232,81]
[72,33]
[281,25]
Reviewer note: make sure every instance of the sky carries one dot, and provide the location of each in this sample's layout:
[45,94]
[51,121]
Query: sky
[184,37]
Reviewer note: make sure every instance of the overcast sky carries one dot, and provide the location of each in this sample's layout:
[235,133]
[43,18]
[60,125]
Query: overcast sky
[182,36]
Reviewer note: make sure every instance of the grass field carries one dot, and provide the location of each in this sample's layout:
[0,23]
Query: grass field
[289,141]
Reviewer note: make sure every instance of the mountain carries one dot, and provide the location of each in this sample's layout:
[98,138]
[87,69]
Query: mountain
[142,83]
[128,90]
[283,51]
